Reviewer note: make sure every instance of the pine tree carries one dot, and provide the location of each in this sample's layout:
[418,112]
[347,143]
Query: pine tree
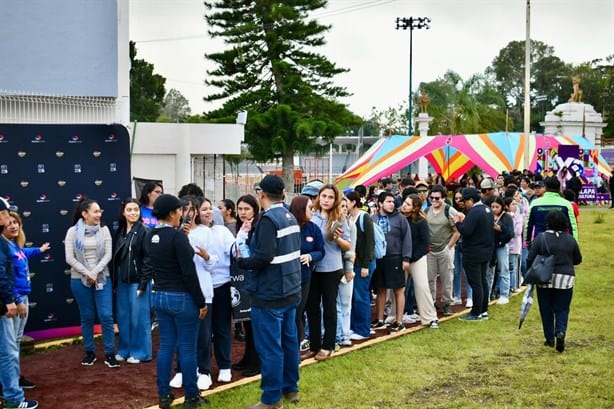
[271,69]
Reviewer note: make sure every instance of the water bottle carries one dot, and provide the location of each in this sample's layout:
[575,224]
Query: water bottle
[244,249]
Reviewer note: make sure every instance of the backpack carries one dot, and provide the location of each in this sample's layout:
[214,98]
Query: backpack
[378,236]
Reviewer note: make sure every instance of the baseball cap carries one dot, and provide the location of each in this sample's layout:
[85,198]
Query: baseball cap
[312,188]
[272,184]
[422,183]
[166,203]
[538,183]
[471,193]
[488,183]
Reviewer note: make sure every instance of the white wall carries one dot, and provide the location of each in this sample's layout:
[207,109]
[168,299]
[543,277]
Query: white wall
[164,150]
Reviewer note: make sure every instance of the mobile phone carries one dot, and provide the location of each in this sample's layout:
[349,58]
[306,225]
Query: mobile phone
[187,220]
[333,229]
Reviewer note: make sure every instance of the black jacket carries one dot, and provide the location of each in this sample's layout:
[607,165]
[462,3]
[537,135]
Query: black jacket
[130,258]
[478,234]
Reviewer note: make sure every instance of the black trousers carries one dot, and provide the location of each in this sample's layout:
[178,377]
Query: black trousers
[300,311]
[323,289]
[476,276]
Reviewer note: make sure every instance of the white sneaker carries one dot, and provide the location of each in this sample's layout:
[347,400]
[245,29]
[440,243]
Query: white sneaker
[469,303]
[357,337]
[371,331]
[346,343]
[391,319]
[414,317]
[407,319]
[503,300]
[177,381]
[224,376]
[119,358]
[203,381]
[132,360]
[456,301]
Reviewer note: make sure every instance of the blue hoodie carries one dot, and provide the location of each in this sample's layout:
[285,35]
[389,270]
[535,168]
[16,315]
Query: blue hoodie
[20,257]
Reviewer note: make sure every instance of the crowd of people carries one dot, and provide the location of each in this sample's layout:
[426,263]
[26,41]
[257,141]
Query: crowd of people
[311,268]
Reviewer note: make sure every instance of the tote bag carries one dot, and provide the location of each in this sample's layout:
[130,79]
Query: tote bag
[542,268]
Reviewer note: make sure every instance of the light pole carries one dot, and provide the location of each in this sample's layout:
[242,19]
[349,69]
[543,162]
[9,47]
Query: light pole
[411,23]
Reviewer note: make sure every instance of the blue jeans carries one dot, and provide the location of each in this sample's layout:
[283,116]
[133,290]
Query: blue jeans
[9,360]
[360,321]
[277,345]
[554,310]
[91,301]
[344,311]
[133,320]
[503,264]
[459,272]
[515,278]
[178,322]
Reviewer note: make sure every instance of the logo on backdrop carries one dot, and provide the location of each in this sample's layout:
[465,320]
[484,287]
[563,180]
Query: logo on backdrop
[113,197]
[3,139]
[43,198]
[4,169]
[38,139]
[40,168]
[75,139]
[111,139]
[77,197]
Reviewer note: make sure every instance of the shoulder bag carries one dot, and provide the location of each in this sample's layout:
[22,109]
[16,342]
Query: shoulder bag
[542,268]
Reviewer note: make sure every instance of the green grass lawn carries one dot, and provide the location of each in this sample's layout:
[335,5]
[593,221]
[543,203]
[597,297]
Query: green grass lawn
[487,364]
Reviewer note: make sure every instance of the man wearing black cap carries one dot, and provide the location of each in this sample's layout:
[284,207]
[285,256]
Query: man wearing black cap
[274,283]
[477,232]
[541,206]
[9,351]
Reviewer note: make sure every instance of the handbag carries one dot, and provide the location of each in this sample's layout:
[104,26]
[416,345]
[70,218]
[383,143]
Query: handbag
[542,268]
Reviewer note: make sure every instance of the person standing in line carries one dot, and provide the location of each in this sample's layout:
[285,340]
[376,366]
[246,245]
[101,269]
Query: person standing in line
[390,270]
[321,301]
[177,300]
[16,238]
[150,192]
[312,251]
[555,298]
[503,232]
[132,278]
[220,313]
[443,236]
[459,272]
[248,211]
[227,209]
[274,283]
[346,284]
[477,232]
[88,249]
[13,394]
[364,264]
[418,269]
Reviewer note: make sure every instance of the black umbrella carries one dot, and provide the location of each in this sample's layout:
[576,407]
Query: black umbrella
[527,302]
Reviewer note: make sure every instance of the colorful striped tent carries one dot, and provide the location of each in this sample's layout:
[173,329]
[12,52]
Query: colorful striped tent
[453,155]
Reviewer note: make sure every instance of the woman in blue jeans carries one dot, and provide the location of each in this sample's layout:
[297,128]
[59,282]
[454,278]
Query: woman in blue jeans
[177,299]
[88,250]
[132,279]
[364,264]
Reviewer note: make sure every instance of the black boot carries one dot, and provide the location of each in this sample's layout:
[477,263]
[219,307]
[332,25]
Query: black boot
[165,401]
[560,341]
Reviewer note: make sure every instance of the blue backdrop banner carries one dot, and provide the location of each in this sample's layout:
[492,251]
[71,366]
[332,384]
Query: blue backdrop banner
[44,171]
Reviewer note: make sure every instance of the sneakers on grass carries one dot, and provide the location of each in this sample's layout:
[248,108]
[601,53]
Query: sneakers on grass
[203,381]
[470,318]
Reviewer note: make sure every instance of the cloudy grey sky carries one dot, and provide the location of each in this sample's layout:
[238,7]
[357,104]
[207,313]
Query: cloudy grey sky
[465,36]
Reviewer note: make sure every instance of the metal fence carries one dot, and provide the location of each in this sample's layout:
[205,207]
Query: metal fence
[21,107]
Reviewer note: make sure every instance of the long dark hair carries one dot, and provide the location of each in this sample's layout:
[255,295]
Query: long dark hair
[196,203]
[83,205]
[122,223]
[230,205]
[147,189]
[250,200]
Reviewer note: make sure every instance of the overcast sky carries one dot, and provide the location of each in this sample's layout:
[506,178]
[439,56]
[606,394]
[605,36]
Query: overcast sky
[465,36]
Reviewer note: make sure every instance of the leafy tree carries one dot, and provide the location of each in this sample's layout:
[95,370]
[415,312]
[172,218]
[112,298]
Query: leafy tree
[146,89]
[176,107]
[549,78]
[597,83]
[271,70]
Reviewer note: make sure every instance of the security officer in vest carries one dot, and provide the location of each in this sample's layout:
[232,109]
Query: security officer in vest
[274,283]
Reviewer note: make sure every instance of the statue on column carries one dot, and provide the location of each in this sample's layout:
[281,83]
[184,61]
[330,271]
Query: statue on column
[576,96]
[423,100]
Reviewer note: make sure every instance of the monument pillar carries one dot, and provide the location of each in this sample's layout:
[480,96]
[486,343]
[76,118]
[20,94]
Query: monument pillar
[423,121]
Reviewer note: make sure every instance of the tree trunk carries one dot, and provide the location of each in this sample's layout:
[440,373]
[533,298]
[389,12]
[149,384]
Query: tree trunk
[287,169]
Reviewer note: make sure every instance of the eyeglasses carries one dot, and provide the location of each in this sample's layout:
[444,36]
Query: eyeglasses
[422,190]
[435,198]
